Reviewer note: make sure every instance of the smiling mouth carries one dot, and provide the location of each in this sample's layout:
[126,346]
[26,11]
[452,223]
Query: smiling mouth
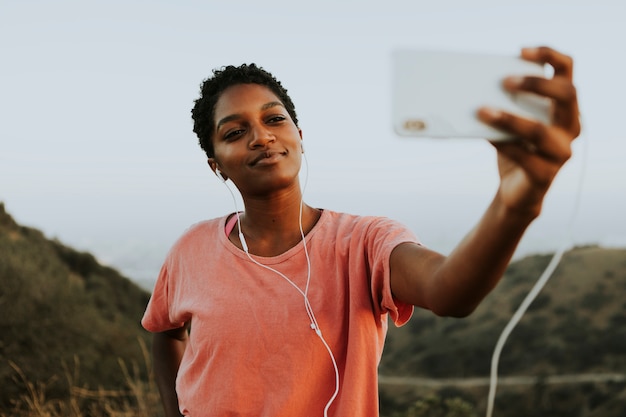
[267,157]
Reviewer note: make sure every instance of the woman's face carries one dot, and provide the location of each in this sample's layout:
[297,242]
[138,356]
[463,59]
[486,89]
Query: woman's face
[256,143]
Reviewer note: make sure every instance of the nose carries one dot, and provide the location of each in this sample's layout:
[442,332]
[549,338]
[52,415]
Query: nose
[260,136]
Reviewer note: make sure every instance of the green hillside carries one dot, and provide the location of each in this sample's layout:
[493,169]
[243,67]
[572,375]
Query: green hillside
[62,313]
[577,325]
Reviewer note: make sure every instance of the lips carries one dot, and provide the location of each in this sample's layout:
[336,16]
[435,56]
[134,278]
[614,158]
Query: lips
[266,157]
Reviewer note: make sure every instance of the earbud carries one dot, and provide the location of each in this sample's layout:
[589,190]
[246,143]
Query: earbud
[220,175]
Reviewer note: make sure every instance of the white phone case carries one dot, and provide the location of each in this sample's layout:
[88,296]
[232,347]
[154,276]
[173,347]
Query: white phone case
[437,93]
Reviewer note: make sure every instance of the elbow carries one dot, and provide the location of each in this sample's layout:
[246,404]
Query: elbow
[460,314]
[455,311]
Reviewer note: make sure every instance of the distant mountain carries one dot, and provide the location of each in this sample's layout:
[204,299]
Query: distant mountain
[61,311]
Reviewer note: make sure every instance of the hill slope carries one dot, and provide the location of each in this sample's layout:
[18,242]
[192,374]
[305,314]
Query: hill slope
[577,325]
[58,305]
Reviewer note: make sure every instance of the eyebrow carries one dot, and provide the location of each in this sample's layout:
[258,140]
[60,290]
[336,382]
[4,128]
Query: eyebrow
[237,116]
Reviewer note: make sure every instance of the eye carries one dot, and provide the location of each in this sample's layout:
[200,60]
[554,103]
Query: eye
[233,134]
[276,118]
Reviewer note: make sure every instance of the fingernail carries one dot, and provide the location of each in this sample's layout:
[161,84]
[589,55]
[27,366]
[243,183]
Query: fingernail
[530,50]
[490,112]
[512,82]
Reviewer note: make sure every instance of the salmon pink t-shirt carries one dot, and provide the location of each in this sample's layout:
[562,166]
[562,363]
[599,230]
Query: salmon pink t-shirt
[251,350]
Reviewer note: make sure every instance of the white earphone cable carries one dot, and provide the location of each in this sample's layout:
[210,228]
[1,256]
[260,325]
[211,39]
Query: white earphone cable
[307,305]
[541,282]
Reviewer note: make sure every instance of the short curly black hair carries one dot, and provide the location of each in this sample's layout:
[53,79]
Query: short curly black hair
[203,112]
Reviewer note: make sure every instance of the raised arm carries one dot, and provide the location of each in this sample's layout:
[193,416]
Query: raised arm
[455,285]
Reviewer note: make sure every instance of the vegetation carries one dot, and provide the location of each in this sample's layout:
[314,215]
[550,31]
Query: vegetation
[72,344]
[577,325]
[137,398]
[59,308]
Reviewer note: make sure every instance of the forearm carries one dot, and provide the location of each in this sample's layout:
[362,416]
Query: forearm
[476,265]
[454,285]
[167,352]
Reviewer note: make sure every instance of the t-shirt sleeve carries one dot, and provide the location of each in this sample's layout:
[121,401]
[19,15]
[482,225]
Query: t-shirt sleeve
[383,236]
[158,316]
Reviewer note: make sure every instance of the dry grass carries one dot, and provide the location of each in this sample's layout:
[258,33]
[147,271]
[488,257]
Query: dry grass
[139,398]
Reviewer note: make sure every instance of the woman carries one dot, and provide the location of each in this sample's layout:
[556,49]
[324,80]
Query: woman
[281,310]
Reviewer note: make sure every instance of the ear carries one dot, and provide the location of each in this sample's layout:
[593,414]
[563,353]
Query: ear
[212,163]
[301,144]
[215,168]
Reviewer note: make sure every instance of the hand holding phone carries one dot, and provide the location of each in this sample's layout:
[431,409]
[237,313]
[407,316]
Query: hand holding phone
[436,93]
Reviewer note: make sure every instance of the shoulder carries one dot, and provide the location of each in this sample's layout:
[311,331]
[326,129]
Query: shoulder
[360,222]
[202,227]
[200,233]
[360,227]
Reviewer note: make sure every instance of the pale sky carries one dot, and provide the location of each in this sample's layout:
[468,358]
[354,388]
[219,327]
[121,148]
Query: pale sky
[96,141]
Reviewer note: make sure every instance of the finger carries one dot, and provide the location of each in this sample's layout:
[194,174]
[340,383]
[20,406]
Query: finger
[563,64]
[567,115]
[517,152]
[561,90]
[532,137]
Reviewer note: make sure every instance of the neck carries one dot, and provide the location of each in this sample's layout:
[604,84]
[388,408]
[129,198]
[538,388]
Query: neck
[271,225]
[272,211]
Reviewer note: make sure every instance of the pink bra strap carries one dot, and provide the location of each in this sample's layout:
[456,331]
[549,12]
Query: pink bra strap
[230,224]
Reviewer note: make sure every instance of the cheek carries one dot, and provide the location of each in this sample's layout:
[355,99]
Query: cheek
[229,157]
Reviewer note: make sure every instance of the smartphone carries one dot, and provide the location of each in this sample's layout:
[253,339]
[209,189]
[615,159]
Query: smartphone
[436,93]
